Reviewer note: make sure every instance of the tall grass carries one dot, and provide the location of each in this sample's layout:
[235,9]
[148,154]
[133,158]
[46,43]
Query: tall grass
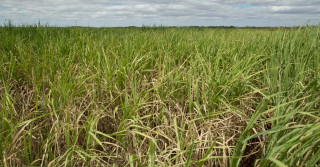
[159,96]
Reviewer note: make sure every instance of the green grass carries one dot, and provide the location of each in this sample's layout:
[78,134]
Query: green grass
[156,96]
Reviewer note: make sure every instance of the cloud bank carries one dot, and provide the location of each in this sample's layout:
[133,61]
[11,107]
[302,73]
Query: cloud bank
[161,12]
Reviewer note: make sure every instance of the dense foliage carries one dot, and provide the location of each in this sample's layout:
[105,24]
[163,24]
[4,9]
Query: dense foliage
[156,96]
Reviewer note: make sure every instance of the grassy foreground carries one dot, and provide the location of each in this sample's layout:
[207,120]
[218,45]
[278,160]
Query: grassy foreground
[159,97]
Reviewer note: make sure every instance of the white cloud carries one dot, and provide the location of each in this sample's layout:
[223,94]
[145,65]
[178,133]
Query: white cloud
[174,12]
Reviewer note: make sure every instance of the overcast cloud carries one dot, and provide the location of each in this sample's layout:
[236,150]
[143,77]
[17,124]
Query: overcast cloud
[161,12]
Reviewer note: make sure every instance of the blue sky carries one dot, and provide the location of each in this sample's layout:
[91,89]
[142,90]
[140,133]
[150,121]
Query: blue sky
[112,13]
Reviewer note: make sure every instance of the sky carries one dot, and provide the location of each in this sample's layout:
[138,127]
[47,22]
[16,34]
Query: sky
[110,13]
